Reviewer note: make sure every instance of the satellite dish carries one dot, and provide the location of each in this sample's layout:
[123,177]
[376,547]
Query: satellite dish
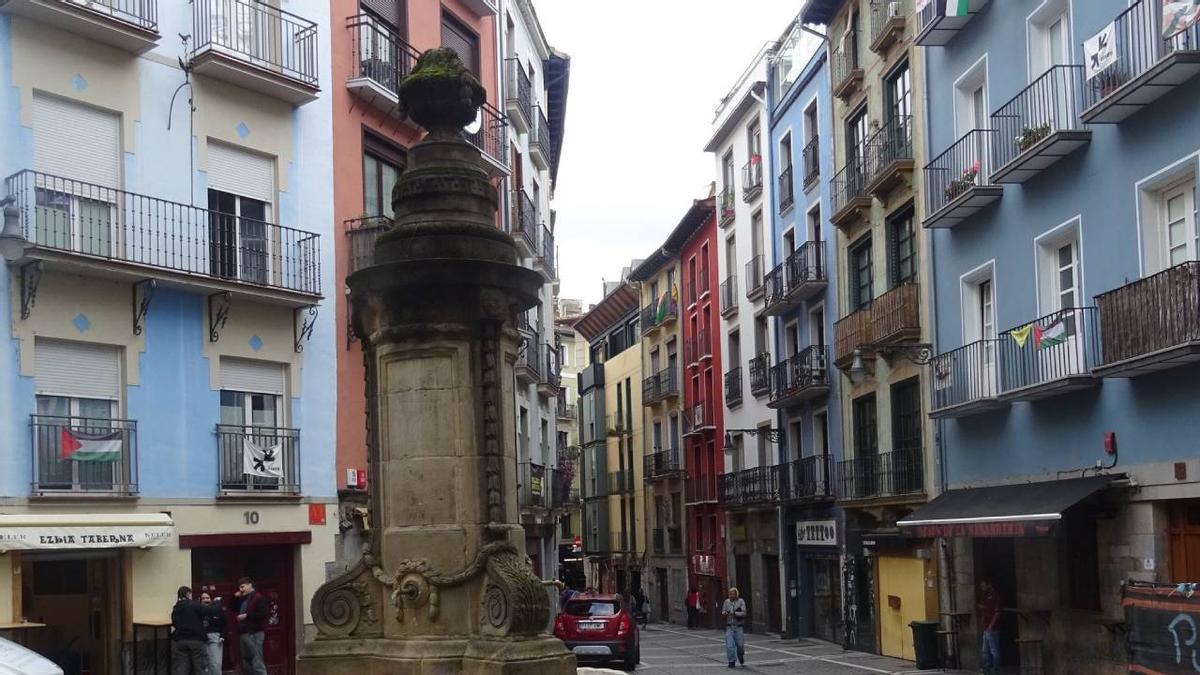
[473,127]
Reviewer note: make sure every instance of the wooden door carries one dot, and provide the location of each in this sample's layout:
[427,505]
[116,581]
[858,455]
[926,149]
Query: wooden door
[271,568]
[1185,540]
[745,588]
[774,602]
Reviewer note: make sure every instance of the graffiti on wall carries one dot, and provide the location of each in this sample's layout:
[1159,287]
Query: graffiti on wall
[1162,627]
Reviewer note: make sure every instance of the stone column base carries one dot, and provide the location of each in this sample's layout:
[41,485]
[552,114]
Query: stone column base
[535,656]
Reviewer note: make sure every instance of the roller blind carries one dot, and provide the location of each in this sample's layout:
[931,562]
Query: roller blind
[241,172]
[260,377]
[76,141]
[77,369]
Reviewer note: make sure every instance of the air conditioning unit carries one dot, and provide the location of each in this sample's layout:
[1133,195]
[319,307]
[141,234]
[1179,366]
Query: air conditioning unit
[894,11]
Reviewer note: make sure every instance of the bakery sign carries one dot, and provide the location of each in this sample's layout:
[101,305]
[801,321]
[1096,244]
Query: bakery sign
[816,532]
[32,537]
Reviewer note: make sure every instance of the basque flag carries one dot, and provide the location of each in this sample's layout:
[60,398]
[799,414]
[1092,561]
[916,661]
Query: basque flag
[78,446]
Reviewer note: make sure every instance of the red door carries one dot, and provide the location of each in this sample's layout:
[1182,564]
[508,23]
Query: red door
[218,569]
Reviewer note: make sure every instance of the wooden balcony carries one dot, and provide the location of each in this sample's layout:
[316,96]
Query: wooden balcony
[893,317]
[1151,324]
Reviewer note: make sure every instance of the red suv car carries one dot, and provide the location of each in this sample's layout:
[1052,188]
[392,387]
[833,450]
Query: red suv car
[599,628]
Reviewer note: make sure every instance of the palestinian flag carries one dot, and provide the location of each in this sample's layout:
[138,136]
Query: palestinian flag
[1054,334]
[78,446]
[957,7]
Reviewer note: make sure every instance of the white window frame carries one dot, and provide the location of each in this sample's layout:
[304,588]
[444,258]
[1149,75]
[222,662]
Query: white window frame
[1037,36]
[1046,246]
[1148,193]
[965,85]
[969,290]
[816,327]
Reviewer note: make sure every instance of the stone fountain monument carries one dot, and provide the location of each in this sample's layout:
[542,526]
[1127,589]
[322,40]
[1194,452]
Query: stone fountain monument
[443,586]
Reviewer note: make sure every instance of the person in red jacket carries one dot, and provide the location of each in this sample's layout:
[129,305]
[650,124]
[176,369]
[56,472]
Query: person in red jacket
[252,610]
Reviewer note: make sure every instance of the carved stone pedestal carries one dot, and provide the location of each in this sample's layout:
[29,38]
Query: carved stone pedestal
[444,586]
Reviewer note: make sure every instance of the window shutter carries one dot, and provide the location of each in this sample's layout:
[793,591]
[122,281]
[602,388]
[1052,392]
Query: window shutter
[461,40]
[240,172]
[77,369]
[390,11]
[75,141]
[259,377]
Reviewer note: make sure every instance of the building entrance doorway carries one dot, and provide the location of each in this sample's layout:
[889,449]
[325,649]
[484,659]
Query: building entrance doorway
[774,605]
[826,597]
[995,560]
[741,563]
[664,594]
[77,595]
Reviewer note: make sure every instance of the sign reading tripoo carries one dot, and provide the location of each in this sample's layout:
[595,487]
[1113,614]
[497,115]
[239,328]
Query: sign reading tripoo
[816,532]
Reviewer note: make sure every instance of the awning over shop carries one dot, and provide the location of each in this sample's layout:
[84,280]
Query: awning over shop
[1025,510]
[31,532]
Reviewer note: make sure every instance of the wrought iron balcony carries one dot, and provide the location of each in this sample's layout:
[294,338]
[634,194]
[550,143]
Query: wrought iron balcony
[798,278]
[728,212]
[802,377]
[361,234]
[660,386]
[84,455]
[887,23]
[811,156]
[807,478]
[381,58]
[662,464]
[1039,126]
[966,380]
[733,387]
[958,183]
[697,348]
[697,419]
[898,473]
[893,317]
[760,374]
[529,360]
[851,201]
[937,27]
[550,379]
[890,156]
[131,25]
[1056,355]
[755,273]
[663,310]
[525,223]
[518,102]
[243,453]
[70,220]
[729,296]
[752,179]
[490,136]
[1151,324]
[544,262]
[701,490]
[539,139]
[847,72]
[256,46]
[787,191]
[565,411]
[749,487]
[1148,65]
[535,483]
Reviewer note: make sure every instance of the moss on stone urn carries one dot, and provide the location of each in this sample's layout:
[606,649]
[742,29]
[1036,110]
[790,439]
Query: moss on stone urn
[441,94]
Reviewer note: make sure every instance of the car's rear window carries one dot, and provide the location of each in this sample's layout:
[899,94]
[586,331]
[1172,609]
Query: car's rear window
[593,607]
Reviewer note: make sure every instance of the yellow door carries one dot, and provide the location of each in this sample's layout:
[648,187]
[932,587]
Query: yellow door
[901,601]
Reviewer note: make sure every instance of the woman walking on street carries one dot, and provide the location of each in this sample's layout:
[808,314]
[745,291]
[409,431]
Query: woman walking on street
[734,613]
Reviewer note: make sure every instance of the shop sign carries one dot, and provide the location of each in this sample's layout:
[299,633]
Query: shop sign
[816,532]
[1010,528]
[102,536]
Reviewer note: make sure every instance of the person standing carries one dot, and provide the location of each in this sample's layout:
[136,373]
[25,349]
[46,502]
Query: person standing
[188,656]
[734,613]
[989,625]
[214,630]
[251,619]
[693,607]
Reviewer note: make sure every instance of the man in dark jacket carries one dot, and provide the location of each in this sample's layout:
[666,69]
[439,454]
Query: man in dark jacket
[188,656]
[252,611]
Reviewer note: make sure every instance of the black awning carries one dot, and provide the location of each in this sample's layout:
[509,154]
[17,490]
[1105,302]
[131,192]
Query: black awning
[1028,509]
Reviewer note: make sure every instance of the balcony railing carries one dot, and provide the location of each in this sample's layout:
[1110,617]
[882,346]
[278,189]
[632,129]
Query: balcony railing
[755,272]
[752,178]
[84,454]
[1147,66]
[491,136]
[760,374]
[733,387]
[697,347]
[799,277]
[801,377]
[545,261]
[935,29]
[1152,323]
[662,463]
[565,411]
[261,37]
[1057,354]
[536,483]
[965,380]
[888,474]
[889,155]
[787,191]
[551,375]
[258,460]
[849,190]
[660,311]
[701,489]
[529,360]
[887,23]
[519,92]
[846,71]
[728,212]
[729,296]
[525,221]
[958,182]
[759,485]
[60,215]
[362,234]
[380,57]
[697,418]
[539,137]
[1039,126]
[660,385]
[811,156]
[892,317]
[805,478]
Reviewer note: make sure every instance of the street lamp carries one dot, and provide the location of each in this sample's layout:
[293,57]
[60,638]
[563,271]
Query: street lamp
[919,353]
[13,243]
[773,435]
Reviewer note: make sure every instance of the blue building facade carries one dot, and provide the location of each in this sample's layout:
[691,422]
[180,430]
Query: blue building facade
[801,296]
[167,401]
[1062,202]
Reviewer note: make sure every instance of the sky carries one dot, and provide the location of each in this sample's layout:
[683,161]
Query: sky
[646,79]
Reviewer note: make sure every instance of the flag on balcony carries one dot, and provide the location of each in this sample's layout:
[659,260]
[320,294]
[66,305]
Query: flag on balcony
[259,461]
[1054,334]
[957,7]
[1179,16]
[78,446]
[1020,335]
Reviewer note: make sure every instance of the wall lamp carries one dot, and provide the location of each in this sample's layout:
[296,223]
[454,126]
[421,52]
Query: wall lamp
[919,353]
[773,435]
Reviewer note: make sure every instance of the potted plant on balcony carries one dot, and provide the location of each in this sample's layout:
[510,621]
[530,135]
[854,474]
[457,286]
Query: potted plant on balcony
[1109,81]
[961,184]
[1031,135]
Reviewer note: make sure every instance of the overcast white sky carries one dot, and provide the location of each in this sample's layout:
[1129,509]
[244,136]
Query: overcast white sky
[646,78]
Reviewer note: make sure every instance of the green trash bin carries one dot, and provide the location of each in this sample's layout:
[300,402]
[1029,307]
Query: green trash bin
[925,644]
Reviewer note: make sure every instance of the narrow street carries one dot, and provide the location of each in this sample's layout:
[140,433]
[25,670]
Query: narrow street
[669,649]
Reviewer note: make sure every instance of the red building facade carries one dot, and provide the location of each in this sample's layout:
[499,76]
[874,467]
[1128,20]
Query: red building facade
[703,426]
